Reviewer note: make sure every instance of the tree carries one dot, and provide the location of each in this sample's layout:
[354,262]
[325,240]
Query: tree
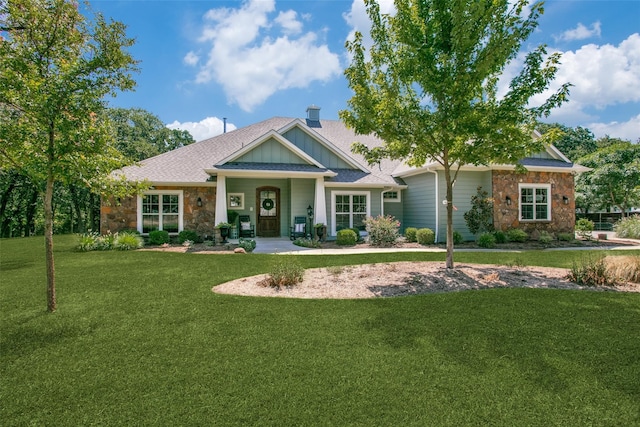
[56,67]
[141,134]
[572,142]
[428,87]
[615,176]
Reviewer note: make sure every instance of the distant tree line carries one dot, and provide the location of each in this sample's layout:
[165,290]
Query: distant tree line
[139,135]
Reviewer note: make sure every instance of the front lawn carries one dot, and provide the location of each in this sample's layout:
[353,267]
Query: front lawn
[140,339]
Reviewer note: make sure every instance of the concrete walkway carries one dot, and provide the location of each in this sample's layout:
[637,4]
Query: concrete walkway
[284,246]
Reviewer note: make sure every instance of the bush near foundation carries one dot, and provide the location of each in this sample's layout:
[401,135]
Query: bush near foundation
[425,236]
[346,237]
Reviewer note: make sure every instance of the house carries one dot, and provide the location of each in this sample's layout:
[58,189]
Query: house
[276,169]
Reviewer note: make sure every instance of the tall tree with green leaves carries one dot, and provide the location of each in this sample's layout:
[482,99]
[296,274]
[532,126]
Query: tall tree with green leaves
[615,176]
[428,86]
[572,142]
[141,134]
[56,67]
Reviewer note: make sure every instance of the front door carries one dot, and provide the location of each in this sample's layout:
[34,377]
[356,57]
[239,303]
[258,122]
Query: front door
[268,204]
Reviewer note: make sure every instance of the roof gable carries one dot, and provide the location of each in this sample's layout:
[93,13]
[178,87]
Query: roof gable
[271,148]
[317,146]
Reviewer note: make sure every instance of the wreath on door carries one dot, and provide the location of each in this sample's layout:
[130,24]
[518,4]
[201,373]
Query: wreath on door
[267,204]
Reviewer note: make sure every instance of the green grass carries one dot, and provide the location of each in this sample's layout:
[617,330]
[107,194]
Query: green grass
[140,339]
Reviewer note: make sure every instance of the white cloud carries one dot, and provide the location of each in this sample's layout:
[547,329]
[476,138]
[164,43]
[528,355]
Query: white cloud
[251,65]
[205,128]
[191,59]
[581,32]
[289,22]
[626,130]
[602,76]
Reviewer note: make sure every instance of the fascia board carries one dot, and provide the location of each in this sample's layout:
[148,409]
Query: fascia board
[363,185]
[182,184]
[269,174]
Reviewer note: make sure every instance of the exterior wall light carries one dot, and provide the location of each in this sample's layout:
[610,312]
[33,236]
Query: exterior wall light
[508,200]
[199,202]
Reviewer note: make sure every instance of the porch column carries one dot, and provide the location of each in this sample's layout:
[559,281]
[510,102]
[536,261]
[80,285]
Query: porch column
[320,207]
[221,200]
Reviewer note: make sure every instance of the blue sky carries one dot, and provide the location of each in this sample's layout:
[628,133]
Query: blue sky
[254,59]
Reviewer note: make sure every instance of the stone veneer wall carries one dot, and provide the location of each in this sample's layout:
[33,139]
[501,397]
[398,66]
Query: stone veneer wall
[505,183]
[124,216]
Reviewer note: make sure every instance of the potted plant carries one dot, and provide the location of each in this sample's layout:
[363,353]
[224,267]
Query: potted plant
[321,230]
[224,230]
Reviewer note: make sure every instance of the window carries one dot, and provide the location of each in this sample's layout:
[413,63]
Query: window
[391,196]
[349,209]
[535,203]
[160,210]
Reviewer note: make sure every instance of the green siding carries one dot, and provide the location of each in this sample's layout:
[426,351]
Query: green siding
[315,149]
[302,195]
[271,151]
[465,186]
[419,202]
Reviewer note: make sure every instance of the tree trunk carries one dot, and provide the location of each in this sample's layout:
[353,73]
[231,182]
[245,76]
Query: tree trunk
[447,175]
[48,244]
[48,227]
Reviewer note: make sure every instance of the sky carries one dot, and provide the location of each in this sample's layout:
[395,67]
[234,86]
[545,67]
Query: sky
[247,61]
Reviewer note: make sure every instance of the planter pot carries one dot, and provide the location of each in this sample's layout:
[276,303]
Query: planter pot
[224,233]
[321,232]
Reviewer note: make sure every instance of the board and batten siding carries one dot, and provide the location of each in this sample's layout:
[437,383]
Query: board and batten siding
[271,151]
[315,149]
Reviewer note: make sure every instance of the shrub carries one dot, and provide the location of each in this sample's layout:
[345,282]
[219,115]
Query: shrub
[383,230]
[158,237]
[410,234]
[357,231]
[628,227]
[425,236]
[517,235]
[457,238]
[486,240]
[88,241]
[566,237]
[286,272]
[307,243]
[187,235]
[480,217]
[127,241]
[247,244]
[346,237]
[500,237]
[545,238]
[589,272]
[93,241]
[584,227]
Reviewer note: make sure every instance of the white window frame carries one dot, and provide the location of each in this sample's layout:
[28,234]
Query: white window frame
[180,195]
[396,199]
[347,193]
[534,187]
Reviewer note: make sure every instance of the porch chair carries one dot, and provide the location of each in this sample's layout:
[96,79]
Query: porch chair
[246,228]
[299,228]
